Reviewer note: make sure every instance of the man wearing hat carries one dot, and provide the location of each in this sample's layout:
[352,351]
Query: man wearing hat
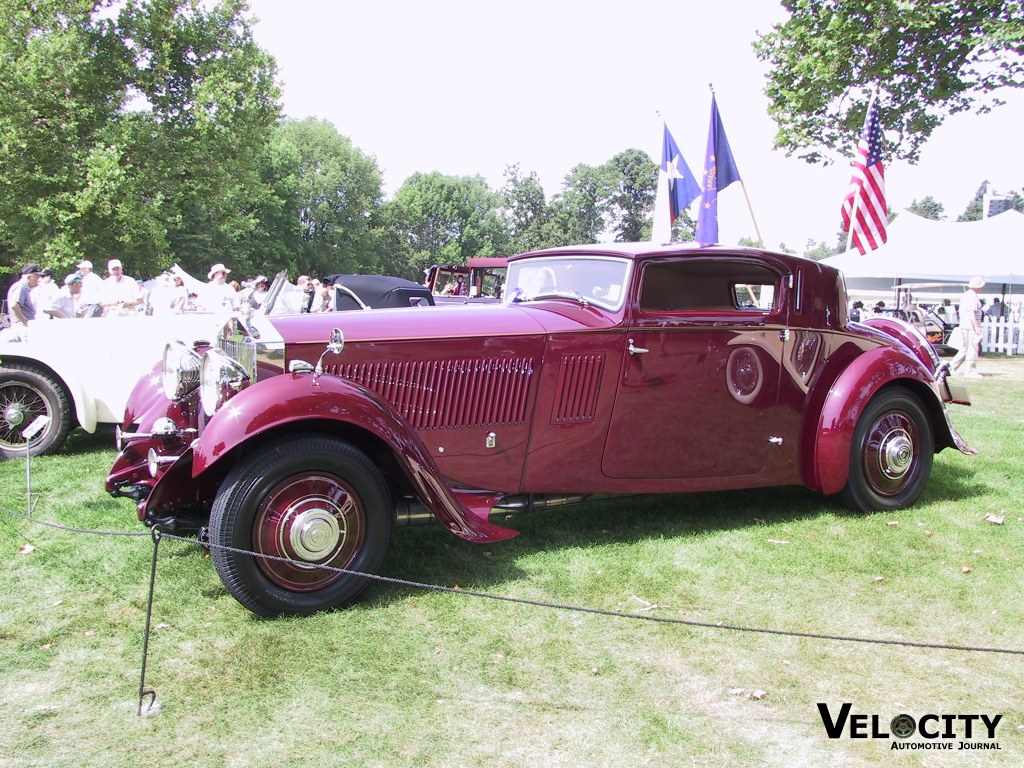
[44,294]
[20,308]
[121,294]
[217,295]
[92,290]
[67,303]
[970,330]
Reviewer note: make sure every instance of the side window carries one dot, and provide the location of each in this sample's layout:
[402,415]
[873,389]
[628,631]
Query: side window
[718,285]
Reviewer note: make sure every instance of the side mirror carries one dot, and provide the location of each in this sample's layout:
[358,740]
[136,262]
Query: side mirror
[334,346]
[337,342]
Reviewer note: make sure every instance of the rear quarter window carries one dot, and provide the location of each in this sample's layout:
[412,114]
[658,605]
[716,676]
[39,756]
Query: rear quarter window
[708,285]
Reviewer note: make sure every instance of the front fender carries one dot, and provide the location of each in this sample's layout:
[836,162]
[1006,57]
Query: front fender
[848,397]
[297,400]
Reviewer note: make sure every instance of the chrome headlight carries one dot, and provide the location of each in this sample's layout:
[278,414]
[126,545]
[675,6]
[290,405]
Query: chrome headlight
[180,374]
[220,379]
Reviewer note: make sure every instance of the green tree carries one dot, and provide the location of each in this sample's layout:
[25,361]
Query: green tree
[136,135]
[527,213]
[928,207]
[975,210]
[580,210]
[61,84]
[818,251]
[335,191]
[633,182]
[928,60]
[440,219]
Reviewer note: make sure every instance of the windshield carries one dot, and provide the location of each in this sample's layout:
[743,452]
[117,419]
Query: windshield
[596,280]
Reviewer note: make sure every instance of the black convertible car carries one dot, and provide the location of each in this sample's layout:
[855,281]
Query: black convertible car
[376,291]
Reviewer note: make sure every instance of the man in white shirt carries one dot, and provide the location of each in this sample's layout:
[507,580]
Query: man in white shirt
[217,295]
[68,298]
[970,330]
[92,290]
[121,294]
[45,293]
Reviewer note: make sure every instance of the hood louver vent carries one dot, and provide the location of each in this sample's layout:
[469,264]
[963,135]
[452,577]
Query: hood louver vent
[445,394]
[579,379]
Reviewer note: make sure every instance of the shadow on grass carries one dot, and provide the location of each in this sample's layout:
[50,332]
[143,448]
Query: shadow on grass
[80,441]
[953,482]
[431,555]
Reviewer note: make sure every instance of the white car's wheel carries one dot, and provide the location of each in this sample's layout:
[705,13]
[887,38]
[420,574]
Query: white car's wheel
[27,393]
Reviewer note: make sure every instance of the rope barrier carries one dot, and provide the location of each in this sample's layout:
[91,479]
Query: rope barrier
[158,535]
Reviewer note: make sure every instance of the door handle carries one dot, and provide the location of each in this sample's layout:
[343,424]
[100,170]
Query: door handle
[636,350]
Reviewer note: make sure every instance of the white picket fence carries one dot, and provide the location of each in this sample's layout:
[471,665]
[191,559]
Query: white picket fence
[1004,335]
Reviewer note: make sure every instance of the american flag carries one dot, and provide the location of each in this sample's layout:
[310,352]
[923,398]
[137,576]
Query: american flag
[864,209]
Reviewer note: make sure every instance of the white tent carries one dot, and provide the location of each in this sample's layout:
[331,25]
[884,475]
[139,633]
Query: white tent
[924,250]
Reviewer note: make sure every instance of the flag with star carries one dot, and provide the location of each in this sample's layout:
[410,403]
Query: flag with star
[677,188]
[865,214]
[719,172]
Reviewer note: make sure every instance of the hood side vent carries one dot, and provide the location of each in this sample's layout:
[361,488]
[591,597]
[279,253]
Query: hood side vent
[579,380]
[448,394]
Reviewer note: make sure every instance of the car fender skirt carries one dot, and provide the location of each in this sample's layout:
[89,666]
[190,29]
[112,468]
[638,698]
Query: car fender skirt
[301,401]
[846,400]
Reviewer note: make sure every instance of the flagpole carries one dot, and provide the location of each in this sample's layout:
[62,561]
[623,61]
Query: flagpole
[743,184]
[750,208]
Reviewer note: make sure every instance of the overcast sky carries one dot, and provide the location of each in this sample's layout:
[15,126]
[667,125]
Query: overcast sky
[467,87]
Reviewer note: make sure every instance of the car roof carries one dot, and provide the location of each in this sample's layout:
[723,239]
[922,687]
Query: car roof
[643,249]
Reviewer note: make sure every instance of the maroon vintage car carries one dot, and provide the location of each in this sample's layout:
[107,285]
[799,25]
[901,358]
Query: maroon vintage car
[625,368]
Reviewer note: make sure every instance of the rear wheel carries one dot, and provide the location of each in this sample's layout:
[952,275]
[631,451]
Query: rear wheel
[27,393]
[891,454]
[313,501]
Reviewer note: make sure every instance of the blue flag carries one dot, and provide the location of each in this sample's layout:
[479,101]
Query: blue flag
[719,172]
[683,188]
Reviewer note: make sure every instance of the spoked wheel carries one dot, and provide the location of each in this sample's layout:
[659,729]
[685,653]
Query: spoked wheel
[891,454]
[300,504]
[26,394]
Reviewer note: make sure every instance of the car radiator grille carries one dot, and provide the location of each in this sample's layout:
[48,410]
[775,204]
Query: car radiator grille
[243,352]
[443,394]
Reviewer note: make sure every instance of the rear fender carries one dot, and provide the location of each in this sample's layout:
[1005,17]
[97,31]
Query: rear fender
[909,336]
[850,394]
[301,401]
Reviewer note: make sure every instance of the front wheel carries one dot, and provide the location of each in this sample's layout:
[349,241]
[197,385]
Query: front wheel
[26,393]
[313,501]
[891,454]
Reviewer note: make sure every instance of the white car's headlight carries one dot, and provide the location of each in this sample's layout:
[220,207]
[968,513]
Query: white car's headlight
[180,374]
[220,378]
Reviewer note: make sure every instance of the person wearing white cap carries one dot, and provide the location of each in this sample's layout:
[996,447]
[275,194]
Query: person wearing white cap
[68,299]
[970,330]
[121,294]
[217,295]
[92,290]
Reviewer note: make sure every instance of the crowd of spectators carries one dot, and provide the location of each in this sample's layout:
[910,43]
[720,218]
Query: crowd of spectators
[83,294]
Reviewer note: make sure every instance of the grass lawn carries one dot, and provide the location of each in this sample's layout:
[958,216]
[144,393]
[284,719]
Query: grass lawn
[423,678]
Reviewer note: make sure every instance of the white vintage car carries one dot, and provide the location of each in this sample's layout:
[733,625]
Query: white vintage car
[79,373]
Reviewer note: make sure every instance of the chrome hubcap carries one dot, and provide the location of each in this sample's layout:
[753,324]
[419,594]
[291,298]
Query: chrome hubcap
[14,415]
[896,454]
[315,534]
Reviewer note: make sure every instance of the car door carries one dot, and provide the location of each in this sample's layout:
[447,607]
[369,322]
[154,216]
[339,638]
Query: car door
[699,386]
